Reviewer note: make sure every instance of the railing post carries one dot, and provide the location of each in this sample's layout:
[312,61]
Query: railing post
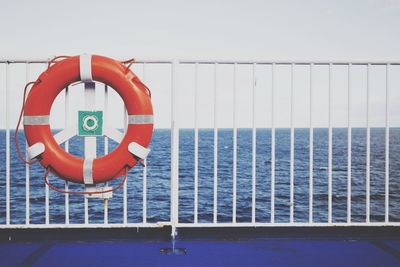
[387,145]
[254,150]
[174,152]
[291,146]
[234,171]
[196,145]
[89,141]
[368,152]
[8,143]
[349,144]
[106,147]
[215,187]
[272,145]
[330,115]
[144,208]
[27,174]
[311,152]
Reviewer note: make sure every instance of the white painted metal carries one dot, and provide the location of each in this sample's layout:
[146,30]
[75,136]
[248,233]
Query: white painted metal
[27,174]
[281,62]
[90,141]
[66,134]
[215,211]
[349,144]
[311,152]
[82,225]
[144,219]
[138,150]
[174,150]
[196,144]
[106,147]
[387,145]
[254,150]
[144,216]
[291,146]
[90,104]
[368,159]
[272,144]
[182,225]
[330,107]
[113,134]
[66,146]
[234,182]
[125,186]
[47,204]
[175,157]
[223,61]
[35,150]
[288,224]
[7,143]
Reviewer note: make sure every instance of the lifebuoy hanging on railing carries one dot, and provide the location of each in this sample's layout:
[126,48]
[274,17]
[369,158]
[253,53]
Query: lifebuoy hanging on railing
[133,146]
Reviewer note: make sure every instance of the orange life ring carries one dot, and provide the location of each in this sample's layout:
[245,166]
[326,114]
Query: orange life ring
[108,71]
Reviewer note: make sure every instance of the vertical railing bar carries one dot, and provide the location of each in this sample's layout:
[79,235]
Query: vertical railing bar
[144,212]
[90,142]
[387,146]
[66,147]
[272,145]
[254,150]
[291,146]
[106,143]
[47,207]
[125,186]
[368,159]
[311,151]
[349,130]
[145,191]
[7,143]
[330,147]
[196,143]
[174,151]
[86,210]
[47,204]
[27,174]
[234,182]
[172,207]
[215,146]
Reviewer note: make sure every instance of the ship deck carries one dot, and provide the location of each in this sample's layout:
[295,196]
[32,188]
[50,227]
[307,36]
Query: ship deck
[361,246]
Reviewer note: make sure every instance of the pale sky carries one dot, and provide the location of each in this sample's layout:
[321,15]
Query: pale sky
[229,30]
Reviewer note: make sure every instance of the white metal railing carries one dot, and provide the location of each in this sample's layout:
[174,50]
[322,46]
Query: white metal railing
[174,67]
[310,222]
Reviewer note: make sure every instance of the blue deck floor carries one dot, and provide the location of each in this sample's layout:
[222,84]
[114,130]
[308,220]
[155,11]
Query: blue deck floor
[205,251]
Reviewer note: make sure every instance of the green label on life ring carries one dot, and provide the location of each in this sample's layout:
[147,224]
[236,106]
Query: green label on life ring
[90,123]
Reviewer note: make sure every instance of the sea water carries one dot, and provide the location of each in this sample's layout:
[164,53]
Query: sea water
[159,173]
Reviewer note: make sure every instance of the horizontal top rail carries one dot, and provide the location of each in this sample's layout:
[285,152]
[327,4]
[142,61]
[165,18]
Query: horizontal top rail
[287,62]
[27,61]
[221,61]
